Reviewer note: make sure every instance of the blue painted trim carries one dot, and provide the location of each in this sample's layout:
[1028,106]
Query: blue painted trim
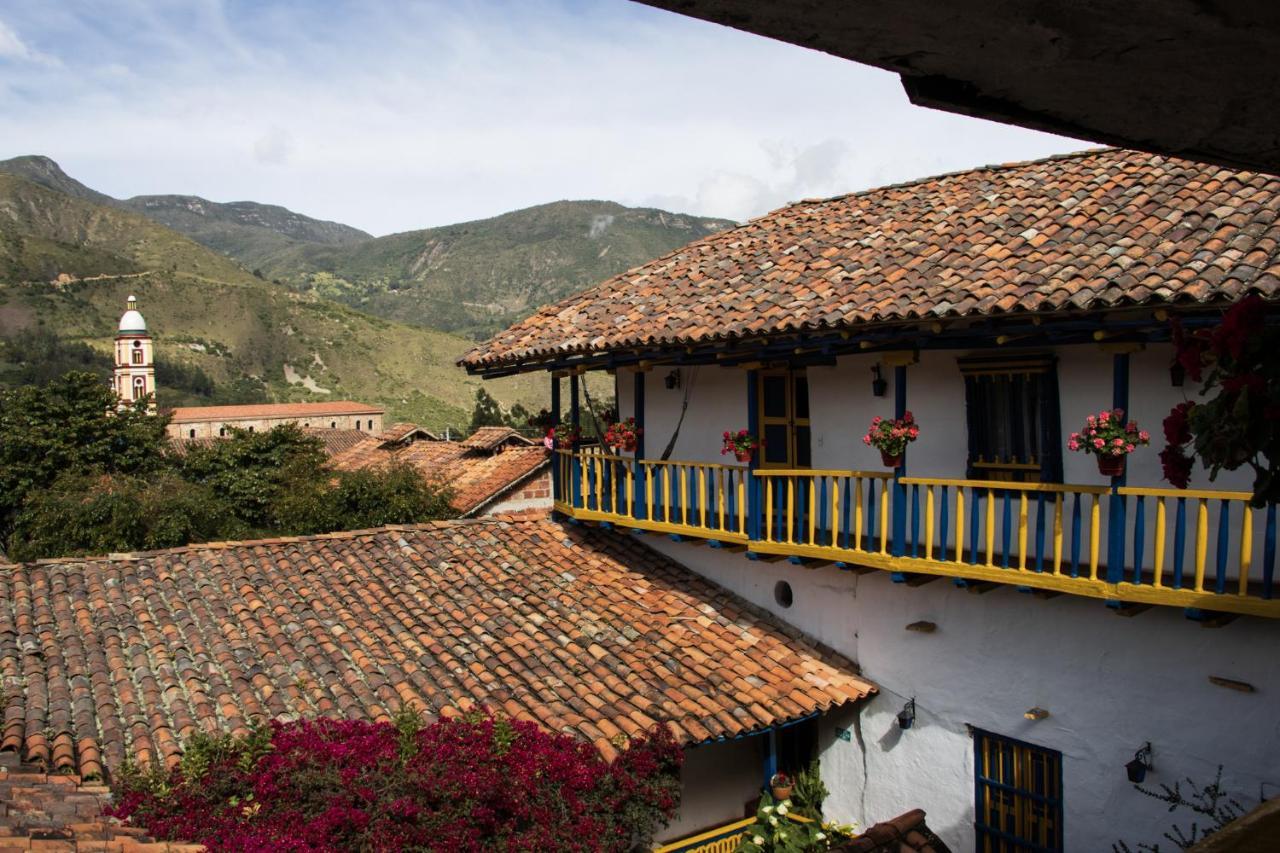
[899,523]
[755,512]
[1116,521]
[1224,538]
[1179,542]
[975,505]
[770,756]
[1006,518]
[556,485]
[899,577]
[943,519]
[1269,552]
[1075,535]
[638,481]
[1139,536]
[1040,525]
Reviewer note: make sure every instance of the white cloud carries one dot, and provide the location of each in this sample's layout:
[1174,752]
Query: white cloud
[393,116]
[14,49]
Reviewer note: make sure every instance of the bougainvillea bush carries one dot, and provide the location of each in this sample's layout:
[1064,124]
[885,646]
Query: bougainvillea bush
[463,784]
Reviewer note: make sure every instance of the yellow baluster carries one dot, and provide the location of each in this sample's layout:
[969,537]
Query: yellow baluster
[684,495]
[702,496]
[813,510]
[1057,533]
[666,493]
[597,465]
[991,527]
[768,509]
[648,492]
[1022,533]
[720,475]
[631,491]
[742,503]
[1202,542]
[835,512]
[791,509]
[1095,530]
[884,516]
[1157,562]
[959,524]
[857,514]
[928,522]
[1246,548]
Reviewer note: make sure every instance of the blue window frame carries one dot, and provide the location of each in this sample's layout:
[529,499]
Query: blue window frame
[1011,406]
[1018,787]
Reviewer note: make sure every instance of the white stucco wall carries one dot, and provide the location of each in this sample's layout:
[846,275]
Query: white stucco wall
[717,782]
[1110,684]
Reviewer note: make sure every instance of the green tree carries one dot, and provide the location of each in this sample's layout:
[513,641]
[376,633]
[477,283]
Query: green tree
[357,500]
[487,412]
[86,512]
[251,471]
[70,424]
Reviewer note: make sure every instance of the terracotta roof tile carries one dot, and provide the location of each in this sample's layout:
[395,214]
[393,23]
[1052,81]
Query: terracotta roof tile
[335,441]
[493,437]
[1090,230]
[273,410]
[583,630]
[906,833]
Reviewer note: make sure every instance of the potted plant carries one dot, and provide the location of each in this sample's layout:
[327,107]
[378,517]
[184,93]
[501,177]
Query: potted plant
[622,437]
[566,436]
[891,437]
[1107,436]
[780,784]
[741,444]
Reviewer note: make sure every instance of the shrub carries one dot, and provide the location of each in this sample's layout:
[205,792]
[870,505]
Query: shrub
[470,784]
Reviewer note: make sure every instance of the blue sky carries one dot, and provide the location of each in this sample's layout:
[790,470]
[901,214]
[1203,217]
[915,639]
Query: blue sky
[394,115]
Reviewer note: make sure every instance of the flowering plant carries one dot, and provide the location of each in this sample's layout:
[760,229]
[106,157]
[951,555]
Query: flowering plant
[464,784]
[778,829]
[623,435]
[565,435]
[741,444]
[891,437]
[1238,423]
[1107,434]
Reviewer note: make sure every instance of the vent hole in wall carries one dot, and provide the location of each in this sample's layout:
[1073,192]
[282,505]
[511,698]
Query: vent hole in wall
[782,593]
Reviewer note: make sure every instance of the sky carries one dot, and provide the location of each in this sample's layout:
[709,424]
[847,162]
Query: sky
[392,116]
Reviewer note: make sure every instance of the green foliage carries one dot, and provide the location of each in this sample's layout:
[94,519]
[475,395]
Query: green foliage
[69,425]
[39,356]
[810,792]
[487,412]
[778,830]
[357,500]
[93,513]
[253,471]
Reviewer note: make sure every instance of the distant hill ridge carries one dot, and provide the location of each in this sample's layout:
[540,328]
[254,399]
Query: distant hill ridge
[472,278]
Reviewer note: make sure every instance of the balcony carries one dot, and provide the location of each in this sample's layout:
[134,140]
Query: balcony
[1206,551]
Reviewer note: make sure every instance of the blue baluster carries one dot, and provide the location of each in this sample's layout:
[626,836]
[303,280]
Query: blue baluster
[1224,541]
[1040,502]
[824,505]
[1007,497]
[975,504]
[872,528]
[801,521]
[1075,535]
[1179,542]
[846,510]
[1139,536]
[1269,552]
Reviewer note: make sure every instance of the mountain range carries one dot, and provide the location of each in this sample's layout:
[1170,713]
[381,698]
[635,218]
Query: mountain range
[472,278]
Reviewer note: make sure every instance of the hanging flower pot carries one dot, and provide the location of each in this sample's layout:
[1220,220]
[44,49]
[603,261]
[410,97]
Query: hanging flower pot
[891,461]
[780,785]
[623,436]
[741,444]
[1110,438]
[1111,466]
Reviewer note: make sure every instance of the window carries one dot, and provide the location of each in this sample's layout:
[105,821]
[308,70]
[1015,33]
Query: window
[333,424]
[1019,795]
[784,419]
[1011,408]
[357,424]
[782,594]
[191,433]
[370,424]
[222,431]
[139,387]
[137,356]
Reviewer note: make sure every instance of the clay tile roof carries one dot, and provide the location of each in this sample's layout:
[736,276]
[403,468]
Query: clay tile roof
[334,440]
[906,833]
[585,631]
[492,437]
[400,431]
[1086,231]
[183,414]
[475,477]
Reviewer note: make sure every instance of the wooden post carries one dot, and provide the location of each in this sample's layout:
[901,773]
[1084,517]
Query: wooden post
[575,425]
[1116,517]
[755,512]
[899,490]
[557,487]
[638,406]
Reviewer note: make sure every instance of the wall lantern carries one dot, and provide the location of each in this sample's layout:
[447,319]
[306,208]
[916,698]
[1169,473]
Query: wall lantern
[878,383]
[1177,375]
[1137,769]
[672,380]
[907,716]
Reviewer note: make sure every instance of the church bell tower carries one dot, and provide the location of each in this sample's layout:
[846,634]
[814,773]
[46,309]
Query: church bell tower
[135,373]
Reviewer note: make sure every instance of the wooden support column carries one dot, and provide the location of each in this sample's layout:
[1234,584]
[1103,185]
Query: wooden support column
[755,510]
[575,469]
[557,487]
[641,511]
[899,490]
[1116,517]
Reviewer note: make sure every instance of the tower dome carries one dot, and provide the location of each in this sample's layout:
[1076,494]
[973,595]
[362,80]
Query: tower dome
[131,320]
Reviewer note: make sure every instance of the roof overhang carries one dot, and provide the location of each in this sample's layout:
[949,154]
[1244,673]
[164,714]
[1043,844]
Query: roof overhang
[1180,77]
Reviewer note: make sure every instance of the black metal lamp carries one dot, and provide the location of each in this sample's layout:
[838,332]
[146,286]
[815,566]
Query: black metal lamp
[672,380]
[878,384]
[1137,769]
[1177,374]
[907,716]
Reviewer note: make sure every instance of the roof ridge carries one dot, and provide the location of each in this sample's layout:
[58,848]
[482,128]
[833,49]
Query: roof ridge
[224,544]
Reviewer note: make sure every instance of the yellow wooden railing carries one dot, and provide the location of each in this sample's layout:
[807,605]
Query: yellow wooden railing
[1205,550]
[722,839]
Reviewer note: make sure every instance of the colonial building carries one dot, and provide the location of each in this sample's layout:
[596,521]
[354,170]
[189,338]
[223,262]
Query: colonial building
[217,421]
[134,376]
[981,578]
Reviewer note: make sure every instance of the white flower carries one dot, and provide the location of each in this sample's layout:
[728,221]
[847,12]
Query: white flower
[773,821]
[767,809]
[820,836]
[757,840]
[782,808]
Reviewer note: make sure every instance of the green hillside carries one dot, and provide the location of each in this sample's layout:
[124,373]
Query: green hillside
[67,265]
[475,278]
